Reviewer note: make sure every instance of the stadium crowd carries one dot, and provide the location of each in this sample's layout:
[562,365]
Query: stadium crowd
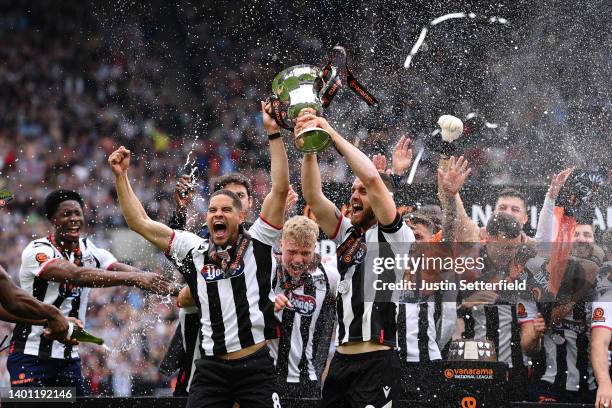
[67,100]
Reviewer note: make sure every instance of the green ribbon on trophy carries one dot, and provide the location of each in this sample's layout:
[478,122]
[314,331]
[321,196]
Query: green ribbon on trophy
[307,86]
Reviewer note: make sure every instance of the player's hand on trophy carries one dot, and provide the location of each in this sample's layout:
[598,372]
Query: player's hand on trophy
[269,123]
[119,160]
[557,182]
[183,193]
[281,302]
[154,282]
[402,156]
[57,328]
[308,119]
[451,180]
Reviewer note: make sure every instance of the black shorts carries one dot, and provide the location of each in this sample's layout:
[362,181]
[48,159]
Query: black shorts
[249,381]
[362,379]
[33,371]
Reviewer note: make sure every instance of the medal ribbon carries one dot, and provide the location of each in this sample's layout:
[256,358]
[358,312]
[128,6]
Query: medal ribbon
[231,259]
[347,250]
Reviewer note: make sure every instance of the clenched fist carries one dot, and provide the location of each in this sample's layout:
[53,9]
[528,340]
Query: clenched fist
[119,160]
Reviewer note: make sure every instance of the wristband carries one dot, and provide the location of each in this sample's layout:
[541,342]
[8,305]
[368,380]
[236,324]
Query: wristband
[274,136]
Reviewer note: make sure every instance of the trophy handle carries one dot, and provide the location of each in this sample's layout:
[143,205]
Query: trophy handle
[331,84]
[279,113]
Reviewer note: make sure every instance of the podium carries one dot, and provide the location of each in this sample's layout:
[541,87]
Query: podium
[473,384]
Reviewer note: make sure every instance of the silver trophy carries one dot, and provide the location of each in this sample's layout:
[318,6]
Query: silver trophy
[299,87]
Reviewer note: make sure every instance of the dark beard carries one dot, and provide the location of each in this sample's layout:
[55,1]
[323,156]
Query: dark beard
[366,218]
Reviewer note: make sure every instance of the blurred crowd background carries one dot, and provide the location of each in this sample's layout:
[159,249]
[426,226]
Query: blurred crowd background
[78,79]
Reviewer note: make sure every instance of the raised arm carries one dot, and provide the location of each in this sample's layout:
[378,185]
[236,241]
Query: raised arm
[325,211]
[273,207]
[380,197]
[546,221]
[135,215]
[457,226]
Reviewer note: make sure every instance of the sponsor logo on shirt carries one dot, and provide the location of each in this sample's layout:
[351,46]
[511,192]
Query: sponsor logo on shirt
[521,312]
[41,257]
[212,273]
[598,315]
[303,304]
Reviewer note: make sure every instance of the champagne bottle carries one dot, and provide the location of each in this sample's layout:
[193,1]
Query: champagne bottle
[76,333]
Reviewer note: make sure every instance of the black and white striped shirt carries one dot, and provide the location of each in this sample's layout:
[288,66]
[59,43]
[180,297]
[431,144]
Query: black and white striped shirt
[361,318]
[417,331]
[189,324]
[498,323]
[306,329]
[71,300]
[566,348]
[237,311]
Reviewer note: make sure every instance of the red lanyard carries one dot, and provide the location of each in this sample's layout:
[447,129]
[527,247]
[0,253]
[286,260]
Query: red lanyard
[78,256]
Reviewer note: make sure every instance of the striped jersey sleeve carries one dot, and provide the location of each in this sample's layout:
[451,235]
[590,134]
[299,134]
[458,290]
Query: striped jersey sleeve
[264,232]
[106,258]
[35,258]
[181,243]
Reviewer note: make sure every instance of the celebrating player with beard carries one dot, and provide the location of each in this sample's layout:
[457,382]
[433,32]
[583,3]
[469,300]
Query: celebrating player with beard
[365,368]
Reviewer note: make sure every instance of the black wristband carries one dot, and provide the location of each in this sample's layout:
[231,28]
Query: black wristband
[394,226]
[274,136]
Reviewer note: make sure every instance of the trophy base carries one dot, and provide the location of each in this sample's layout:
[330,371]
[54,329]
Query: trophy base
[312,140]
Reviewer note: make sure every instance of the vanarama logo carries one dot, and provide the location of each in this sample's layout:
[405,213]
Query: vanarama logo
[469,373]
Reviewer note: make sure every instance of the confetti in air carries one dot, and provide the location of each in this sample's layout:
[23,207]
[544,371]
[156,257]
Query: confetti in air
[436,21]
[488,125]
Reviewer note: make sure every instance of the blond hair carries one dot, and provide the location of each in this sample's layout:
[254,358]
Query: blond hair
[301,230]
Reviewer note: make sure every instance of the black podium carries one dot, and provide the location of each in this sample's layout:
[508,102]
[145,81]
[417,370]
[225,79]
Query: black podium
[472,384]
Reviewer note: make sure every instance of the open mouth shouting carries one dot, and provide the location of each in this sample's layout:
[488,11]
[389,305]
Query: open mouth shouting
[356,208]
[219,230]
